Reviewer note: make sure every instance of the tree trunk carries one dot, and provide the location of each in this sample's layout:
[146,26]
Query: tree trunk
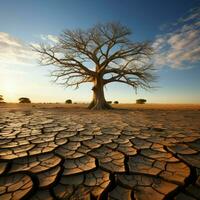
[98,102]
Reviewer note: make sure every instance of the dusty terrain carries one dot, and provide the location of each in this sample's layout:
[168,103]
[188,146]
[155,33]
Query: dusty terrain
[55,151]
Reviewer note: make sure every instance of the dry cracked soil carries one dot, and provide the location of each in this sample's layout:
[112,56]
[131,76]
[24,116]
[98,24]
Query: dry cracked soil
[87,155]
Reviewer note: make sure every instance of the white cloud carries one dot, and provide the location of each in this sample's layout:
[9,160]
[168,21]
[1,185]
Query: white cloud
[49,38]
[17,53]
[34,44]
[14,51]
[180,48]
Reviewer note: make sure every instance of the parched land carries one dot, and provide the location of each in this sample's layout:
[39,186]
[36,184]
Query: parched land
[143,152]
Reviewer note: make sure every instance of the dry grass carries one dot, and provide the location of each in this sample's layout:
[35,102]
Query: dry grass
[159,106]
[84,106]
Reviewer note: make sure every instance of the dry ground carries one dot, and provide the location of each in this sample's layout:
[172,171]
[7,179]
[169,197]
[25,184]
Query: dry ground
[59,151]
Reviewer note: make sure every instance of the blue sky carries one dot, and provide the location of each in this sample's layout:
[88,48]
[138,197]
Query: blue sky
[173,26]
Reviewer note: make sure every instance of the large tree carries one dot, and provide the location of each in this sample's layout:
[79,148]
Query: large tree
[102,54]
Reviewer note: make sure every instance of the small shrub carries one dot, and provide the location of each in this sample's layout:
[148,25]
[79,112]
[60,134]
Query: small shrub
[24,100]
[141,101]
[109,102]
[116,102]
[68,101]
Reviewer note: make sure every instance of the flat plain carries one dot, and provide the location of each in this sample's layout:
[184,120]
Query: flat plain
[59,151]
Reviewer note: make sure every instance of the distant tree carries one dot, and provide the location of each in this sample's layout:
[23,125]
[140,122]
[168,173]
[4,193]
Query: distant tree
[68,101]
[24,100]
[141,101]
[116,102]
[102,54]
[109,102]
[1,99]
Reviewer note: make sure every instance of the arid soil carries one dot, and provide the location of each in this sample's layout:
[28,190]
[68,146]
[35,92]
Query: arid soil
[143,152]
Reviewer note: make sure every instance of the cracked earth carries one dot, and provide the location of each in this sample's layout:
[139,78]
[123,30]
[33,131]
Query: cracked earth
[119,155]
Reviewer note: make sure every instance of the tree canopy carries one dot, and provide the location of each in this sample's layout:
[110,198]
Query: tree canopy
[24,100]
[1,99]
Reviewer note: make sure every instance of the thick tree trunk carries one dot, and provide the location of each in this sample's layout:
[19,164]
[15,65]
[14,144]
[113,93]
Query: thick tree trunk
[98,102]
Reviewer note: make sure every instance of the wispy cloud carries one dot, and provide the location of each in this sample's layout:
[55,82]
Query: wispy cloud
[180,47]
[14,51]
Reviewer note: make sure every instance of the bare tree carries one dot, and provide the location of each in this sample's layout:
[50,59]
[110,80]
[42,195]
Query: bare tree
[102,54]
